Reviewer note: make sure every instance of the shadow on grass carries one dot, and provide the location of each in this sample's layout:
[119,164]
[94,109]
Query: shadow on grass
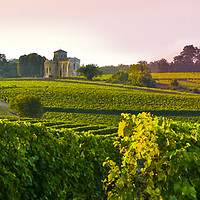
[118,112]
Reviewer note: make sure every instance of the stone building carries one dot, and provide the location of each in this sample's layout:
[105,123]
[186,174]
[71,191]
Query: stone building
[61,65]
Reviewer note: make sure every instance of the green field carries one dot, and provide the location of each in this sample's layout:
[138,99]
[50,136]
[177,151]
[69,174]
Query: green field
[97,103]
[178,75]
[187,81]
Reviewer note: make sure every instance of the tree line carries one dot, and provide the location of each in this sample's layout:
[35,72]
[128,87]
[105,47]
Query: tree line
[136,74]
[27,66]
[187,61]
[33,64]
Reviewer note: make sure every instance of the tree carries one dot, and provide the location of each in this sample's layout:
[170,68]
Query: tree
[8,69]
[140,74]
[3,58]
[162,66]
[31,65]
[90,71]
[3,63]
[188,60]
[112,69]
[174,84]
[119,77]
[27,106]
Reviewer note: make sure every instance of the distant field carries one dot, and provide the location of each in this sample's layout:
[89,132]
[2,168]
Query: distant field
[189,80]
[179,75]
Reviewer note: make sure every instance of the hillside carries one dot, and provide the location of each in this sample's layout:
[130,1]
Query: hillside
[75,151]
[76,100]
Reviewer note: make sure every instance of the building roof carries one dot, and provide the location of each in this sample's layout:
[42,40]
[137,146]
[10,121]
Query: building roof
[60,50]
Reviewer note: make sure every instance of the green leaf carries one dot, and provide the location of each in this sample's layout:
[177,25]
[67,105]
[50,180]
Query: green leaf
[176,186]
[193,192]
[170,172]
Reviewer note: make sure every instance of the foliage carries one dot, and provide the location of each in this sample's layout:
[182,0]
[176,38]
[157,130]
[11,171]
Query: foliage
[170,151]
[110,69]
[89,71]
[27,106]
[8,69]
[119,77]
[187,61]
[162,66]
[31,65]
[140,74]
[174,84]
[41,163]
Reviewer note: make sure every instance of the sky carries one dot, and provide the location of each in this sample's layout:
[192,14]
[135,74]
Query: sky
[102,32]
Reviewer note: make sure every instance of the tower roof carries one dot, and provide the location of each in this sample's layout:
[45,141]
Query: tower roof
[60,50]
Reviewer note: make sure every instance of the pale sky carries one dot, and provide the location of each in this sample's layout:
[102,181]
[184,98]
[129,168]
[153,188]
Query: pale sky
[102,32]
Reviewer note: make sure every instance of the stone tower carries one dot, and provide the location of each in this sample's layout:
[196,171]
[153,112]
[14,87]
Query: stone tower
[60,55]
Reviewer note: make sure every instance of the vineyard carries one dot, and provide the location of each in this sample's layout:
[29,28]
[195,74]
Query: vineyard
[74,151]
[181,75]
[186,80]
[44,163]
[61,97]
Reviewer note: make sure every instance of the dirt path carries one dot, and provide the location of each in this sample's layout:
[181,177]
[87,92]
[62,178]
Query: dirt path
[4,104]
[7,105]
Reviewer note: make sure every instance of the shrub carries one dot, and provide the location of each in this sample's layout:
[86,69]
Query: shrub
[174,84]
[119,77]
[140,75]
[27,106]
[196,91]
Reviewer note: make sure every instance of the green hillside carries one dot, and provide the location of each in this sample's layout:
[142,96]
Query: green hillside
[96,103]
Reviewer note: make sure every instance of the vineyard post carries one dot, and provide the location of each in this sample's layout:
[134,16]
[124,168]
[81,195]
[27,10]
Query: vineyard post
[140,163]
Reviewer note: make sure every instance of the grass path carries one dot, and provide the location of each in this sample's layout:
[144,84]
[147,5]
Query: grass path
[4,109]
